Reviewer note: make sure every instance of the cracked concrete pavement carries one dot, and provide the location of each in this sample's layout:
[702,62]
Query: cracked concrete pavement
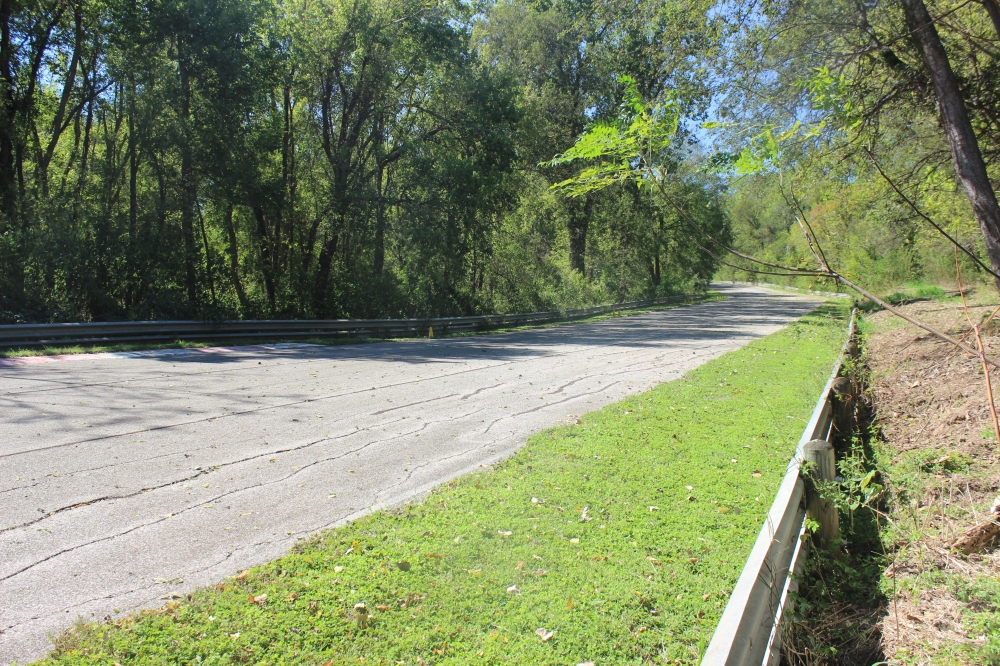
[127,478]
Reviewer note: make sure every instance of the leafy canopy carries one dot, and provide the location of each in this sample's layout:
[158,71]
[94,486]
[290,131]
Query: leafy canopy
[635,146]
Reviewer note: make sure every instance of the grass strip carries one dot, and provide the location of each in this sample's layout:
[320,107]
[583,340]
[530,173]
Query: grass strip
[621,535]
[57,350]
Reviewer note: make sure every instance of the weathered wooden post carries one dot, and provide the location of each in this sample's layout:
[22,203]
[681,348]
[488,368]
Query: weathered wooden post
[821,453]
[843,395]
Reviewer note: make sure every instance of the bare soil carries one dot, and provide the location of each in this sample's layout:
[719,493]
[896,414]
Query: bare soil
[939,452]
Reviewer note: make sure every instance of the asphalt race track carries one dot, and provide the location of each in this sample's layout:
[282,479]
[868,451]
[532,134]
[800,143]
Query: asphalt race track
[125,478]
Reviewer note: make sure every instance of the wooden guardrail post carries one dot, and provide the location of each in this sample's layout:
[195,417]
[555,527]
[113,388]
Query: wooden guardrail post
[824,468]
[843,395]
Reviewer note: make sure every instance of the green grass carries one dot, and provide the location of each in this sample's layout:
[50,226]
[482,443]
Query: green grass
[340,340]
[622,535]
[912,291]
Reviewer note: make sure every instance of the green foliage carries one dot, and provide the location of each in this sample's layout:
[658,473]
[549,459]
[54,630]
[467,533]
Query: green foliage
[621,535]
[635,146]
[315,159]
[841,86]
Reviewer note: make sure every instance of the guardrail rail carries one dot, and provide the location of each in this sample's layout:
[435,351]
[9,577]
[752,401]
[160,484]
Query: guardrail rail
[749,632]
[36,335]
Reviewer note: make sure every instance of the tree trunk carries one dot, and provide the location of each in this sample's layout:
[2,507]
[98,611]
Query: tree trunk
[288,174]
[133,201]
[379,220]
[234,260]
[326,254]
[133,166]
[993,9]
[8,191]
[266,251]
[59,121]
[962,139]
[187,184]
[579,217]
[208,255]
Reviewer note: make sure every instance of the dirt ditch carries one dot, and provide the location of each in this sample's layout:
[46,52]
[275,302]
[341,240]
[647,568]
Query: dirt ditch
[939,453]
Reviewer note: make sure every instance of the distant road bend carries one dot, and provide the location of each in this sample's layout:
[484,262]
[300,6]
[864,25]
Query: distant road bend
[127,478]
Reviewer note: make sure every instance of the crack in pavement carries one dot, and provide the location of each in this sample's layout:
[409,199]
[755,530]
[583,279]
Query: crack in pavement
[202,503]
[263,408]
[411,404]
[248,411]
[479,390]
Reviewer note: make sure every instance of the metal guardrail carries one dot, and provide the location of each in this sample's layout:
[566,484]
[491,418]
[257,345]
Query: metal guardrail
[35,335]
[749,632]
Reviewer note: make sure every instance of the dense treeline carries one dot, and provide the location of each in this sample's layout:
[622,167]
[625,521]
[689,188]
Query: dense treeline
[317,158]
[335,158]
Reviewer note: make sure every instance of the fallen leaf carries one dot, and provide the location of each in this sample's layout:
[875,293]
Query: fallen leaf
[383,608]
[693,560]
[243,574]
[434,555]
[504,532]
[574,540]
[569,602]
[654,508]
[520,565]
[338,569]
[705,596]
[403,566]
[723,509]
[756,474]
[258,599]
[544,634]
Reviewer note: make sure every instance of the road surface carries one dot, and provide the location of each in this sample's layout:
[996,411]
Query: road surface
[127,478]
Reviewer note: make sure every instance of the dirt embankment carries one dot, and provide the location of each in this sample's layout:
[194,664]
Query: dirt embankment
[940,458]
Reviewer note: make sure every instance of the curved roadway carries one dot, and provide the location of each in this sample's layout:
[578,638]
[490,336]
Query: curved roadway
[126,478]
